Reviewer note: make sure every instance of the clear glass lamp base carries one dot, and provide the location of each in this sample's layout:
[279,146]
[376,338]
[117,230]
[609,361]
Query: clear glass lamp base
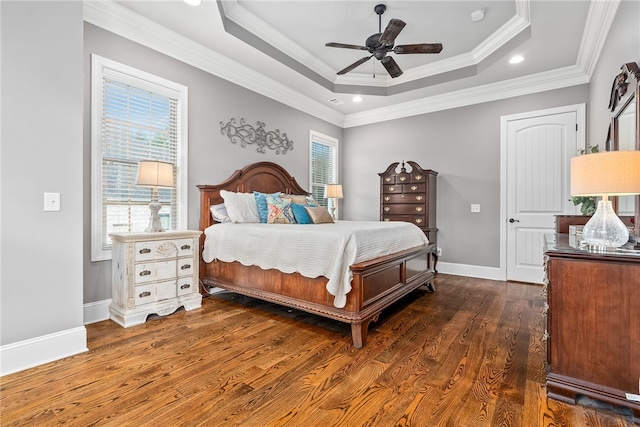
[605,229]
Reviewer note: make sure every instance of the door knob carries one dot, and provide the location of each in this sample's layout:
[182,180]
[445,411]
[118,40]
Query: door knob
[511,220]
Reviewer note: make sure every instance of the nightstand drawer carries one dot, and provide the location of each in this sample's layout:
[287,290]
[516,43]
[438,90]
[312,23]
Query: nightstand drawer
[165,290]
[149,272]
[145,294]
[185,247]
[185,285]
[185,267]
[156,249]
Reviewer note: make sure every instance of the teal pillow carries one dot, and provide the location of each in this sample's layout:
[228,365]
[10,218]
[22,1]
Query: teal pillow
[301,214]
[261,200]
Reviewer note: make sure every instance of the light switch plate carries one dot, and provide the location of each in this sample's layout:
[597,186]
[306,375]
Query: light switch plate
[52,202]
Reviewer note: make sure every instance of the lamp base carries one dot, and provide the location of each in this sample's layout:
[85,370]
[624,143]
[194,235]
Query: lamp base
[154,221]
[605,229]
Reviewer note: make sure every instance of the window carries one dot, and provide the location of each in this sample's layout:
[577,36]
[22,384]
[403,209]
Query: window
[324,165]
[134,116]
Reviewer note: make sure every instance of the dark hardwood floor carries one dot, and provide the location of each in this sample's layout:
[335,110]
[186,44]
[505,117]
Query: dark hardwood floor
[470,354]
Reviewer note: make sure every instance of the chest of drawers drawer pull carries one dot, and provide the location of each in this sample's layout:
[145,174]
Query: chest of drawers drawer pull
[419,220]
[419,208]
[387,198]
[145,251]
[387,208]
[185,286]
[403,178]
[392,188]
[144,294]
[185,267]
[145,273]
[387,179]
[185,247]
[386,220]
[414,187]
[418,177]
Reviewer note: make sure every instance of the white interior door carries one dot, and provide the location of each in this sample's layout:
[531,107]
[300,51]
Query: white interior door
[538,148]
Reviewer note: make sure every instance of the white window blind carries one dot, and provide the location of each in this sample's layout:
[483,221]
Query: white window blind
[135,116]
[324,165]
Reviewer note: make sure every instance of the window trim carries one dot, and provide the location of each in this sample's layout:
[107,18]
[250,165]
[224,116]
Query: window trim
[98,66]
[315,136]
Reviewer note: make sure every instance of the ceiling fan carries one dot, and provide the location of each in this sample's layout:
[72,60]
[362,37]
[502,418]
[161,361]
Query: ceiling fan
[381,43]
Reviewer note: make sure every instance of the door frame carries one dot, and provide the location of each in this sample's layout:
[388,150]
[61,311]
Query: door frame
[580,110]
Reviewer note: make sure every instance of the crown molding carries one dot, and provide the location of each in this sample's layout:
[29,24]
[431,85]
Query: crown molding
[549,80]
[119,20]
[130,25]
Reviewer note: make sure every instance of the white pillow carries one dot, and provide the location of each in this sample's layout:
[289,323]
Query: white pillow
[219,213]
[241,207]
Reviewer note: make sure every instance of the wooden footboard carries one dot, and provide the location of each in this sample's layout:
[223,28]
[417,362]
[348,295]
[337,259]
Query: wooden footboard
[376,284]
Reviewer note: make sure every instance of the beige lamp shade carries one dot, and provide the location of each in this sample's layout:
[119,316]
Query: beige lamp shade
[333,191]
[611,173]
[153,173]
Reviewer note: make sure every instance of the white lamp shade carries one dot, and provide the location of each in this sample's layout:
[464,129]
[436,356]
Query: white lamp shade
[612,173]
[153,173]
[333,191]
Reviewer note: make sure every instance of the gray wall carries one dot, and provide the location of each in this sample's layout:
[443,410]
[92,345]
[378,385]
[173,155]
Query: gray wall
[212,157]
[463,146]
[622,45]
[41,279]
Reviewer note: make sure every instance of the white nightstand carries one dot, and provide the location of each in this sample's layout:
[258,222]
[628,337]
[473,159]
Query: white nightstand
[153,273]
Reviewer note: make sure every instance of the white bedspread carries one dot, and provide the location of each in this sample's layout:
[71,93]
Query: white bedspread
[311,249]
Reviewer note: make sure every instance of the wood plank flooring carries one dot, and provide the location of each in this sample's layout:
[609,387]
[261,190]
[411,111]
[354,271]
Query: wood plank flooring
[470,354]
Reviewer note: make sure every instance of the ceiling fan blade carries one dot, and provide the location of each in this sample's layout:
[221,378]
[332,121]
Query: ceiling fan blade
[391,66]
[418,48]
[394,27]
[354,65]
[346,46]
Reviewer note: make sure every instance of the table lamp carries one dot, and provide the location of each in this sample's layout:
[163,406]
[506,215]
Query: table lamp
[154,174]
[333,192]
[610,173]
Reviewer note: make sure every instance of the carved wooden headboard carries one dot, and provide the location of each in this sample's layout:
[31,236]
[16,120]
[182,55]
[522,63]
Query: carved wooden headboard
[265,177]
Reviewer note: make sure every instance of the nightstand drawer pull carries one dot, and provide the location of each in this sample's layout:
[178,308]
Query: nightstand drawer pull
[185,286]
[145,294]
[185,247]
[145,251]
[145,272]
[185,267]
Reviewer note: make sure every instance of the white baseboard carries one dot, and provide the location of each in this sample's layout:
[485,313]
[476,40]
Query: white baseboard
[96,311]
[491,273]
[26,354]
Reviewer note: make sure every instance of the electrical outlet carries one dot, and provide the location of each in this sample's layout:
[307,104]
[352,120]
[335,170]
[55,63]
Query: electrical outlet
[52,202]
[475,207]
[439,251]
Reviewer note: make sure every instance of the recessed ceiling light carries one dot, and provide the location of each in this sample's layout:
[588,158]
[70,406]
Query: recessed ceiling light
[516,59]
[357,98]
[193,2]
[477,15]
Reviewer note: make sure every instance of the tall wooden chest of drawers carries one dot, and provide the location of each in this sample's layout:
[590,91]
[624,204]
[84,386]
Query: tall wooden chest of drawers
[154,273]
[410,197]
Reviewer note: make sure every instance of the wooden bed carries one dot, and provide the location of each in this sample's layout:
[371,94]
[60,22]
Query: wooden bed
[375,285]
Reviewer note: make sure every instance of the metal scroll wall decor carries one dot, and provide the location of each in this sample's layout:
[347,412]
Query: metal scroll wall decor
[246,134]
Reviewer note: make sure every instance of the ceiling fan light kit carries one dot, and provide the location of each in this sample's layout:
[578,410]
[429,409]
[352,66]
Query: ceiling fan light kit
[381,43]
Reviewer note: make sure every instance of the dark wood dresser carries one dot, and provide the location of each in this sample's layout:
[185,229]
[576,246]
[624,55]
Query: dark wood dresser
[410,197]
[593,324]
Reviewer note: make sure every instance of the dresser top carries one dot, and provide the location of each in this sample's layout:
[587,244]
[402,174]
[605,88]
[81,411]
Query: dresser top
[165,235]
[564,245]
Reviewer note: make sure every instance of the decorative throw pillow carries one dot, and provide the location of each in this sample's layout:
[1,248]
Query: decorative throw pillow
[319,214]
[241,207]
[279,210]
[299,199]
[300,213]
[219,213]
[261,200]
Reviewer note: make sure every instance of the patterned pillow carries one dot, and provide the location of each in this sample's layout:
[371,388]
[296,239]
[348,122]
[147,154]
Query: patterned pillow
[261,200]
[319,214]
[299,199]
[280,211]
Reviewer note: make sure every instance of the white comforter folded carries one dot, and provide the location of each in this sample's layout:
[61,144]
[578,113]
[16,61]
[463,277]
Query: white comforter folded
[311,249]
